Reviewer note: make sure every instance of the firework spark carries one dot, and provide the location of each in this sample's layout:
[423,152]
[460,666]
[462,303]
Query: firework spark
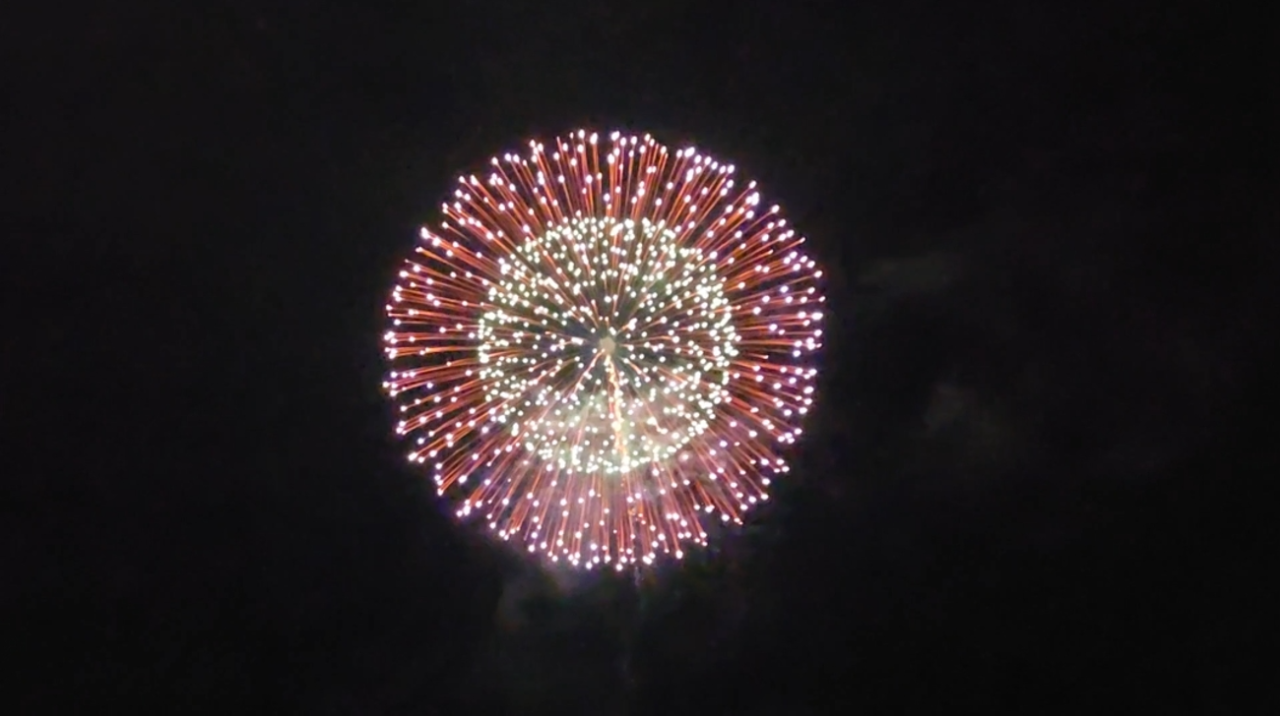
[599,350]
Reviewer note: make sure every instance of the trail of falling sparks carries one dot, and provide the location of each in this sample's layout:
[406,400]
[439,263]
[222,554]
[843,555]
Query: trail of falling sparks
[607,346]
[599,350]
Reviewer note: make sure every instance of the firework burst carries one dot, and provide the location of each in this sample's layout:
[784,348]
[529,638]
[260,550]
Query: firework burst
[603,346]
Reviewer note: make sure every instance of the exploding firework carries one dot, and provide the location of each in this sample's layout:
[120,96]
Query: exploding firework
[599,350]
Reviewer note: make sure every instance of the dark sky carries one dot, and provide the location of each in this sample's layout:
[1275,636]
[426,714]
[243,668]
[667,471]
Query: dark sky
[1025,491]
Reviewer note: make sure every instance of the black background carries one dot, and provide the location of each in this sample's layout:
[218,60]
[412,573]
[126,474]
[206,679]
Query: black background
[1027,489]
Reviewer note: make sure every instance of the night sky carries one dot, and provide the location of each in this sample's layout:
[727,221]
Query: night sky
[1025,488]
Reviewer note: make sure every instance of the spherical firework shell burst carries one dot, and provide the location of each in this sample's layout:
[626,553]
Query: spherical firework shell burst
[600,349]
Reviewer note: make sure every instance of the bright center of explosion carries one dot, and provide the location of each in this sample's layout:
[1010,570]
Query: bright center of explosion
[607,345]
